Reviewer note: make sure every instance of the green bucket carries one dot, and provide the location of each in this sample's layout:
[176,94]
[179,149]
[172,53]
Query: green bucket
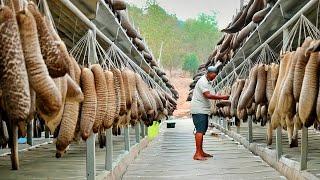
[153,130]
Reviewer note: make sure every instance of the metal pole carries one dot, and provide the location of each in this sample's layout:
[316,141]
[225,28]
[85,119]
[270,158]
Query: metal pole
[146,130]
[126,138]
[143,131]
[109,150]
[250,138]
[30,133]
[304,149]
[46,132]
[137,131]
[279,129]
[238,130]
[279,142]
[91,158]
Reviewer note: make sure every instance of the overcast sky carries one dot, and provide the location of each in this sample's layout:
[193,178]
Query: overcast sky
[185,9]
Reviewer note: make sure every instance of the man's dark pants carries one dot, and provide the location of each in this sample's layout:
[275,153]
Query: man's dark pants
[200,122]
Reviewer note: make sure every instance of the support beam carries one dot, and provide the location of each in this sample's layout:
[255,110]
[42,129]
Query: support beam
[250,137]
[146,130]
[109,150]
[46,132]
[279,142]
[126,138]
[91,153]
[137,131]
[304,149]
[91,157]
[143,131]
[30,133]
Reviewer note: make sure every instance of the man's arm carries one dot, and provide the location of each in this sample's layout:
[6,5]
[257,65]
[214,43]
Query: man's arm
[214,97]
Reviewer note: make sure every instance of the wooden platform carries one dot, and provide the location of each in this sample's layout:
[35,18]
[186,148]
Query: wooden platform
[259,137]
[169,156]
[40,162]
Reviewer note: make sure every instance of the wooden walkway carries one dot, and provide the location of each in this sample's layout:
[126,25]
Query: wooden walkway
[169,156]
[259,137]
[40,162]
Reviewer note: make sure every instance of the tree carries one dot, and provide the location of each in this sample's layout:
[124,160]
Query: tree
[190,63]
[203,33]
[179,38]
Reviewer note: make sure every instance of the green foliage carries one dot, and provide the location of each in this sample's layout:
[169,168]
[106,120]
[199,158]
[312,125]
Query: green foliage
[178,37]
[190,63]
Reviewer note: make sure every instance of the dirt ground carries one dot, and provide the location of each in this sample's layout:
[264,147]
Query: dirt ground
[181,82]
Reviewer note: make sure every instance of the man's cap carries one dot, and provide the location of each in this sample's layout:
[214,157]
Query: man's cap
[212,69]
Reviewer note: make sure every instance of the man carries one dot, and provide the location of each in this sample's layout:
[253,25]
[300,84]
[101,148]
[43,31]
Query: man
[200,109]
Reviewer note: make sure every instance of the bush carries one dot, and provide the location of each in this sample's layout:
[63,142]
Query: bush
[191,63]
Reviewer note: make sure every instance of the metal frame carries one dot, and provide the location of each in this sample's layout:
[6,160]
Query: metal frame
[231,64]
[139,61]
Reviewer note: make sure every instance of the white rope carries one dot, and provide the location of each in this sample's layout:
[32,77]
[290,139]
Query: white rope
[110,58]
[304,28]
[43,4]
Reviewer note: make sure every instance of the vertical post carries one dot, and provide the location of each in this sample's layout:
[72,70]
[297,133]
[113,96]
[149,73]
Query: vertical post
[35,129]
[279,142]
[137,131]
[126,138]
[46,133]
[250,138]
[91,158]
[109,150]
[304,149]
[238,130]
[30,133]
[146,130]
[142,129]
